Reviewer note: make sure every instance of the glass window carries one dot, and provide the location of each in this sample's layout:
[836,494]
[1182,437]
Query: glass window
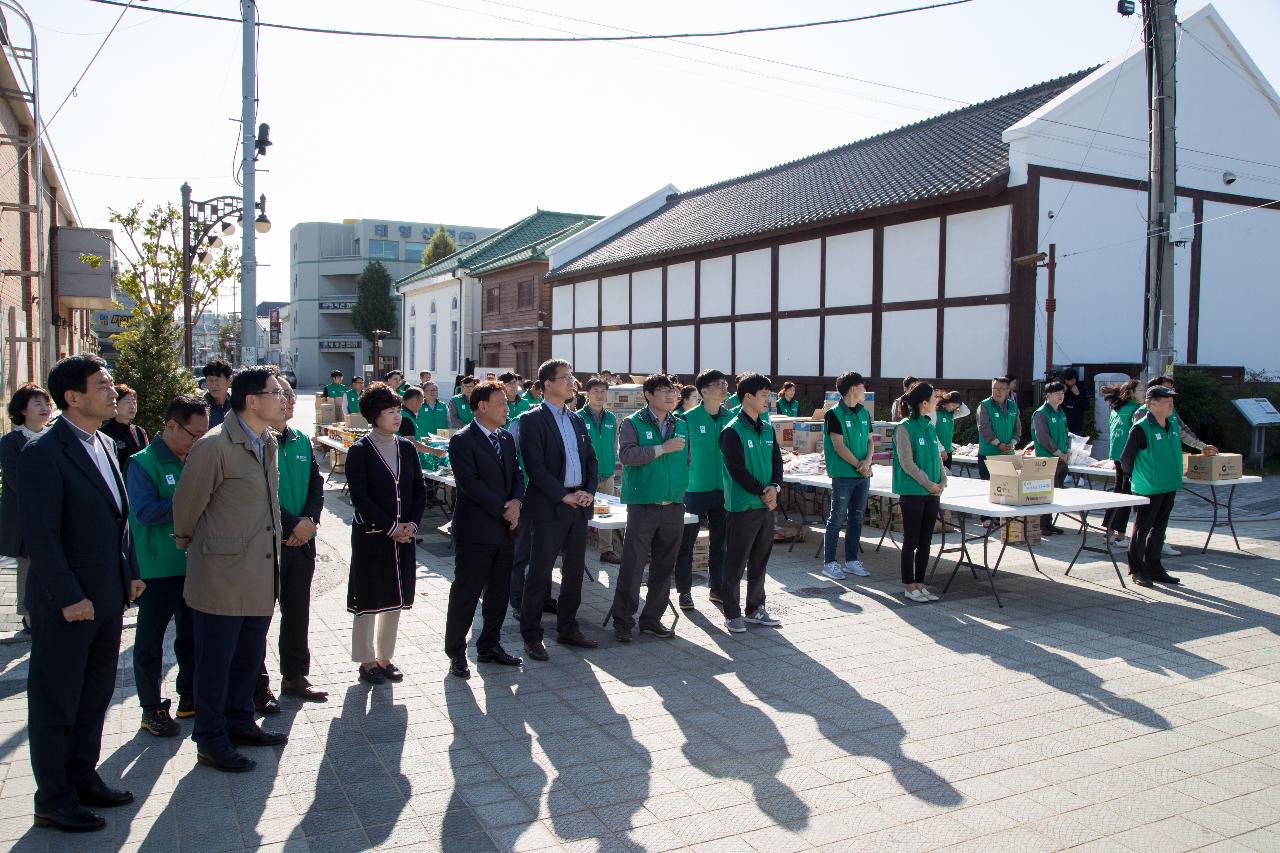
[413,251]
[431,353]
[524,295]
[388,249]
[413,347]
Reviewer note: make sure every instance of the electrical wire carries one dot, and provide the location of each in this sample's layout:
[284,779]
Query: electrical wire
[1163,231]
[1235,69]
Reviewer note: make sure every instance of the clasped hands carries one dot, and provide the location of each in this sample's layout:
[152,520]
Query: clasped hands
[578,499]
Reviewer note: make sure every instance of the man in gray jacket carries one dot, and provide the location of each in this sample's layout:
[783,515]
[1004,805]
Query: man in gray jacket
[226,516]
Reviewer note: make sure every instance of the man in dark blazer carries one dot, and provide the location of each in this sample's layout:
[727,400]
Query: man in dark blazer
[75,519]
[485,514]
[559,499]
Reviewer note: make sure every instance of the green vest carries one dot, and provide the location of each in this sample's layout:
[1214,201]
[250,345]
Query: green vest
[856,424]
[663,479]
[1057,420]
[1158,469]
[516,409]
[432,418]
[705,458]
[924,450]
[353,401]
[1118,425]
[335,389]
[757,450]
[295,471]
[945,428]
[788,410]
[1003,421]
[404,386]
[604,440]
[158,556]
[732,404]
[463,408]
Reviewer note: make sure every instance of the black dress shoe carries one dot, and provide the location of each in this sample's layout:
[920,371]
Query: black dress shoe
[458,667]
[1166,578]
[499,656]
[550,606]
[300,688]
[621,633]
[537,651]
[99,795]
[71,818]
[227,762]
[657,629]
[686,601]
[186,708]
[578,641]
[372,676]
[392,673]
[257,737]
[266,703]
[1141,580]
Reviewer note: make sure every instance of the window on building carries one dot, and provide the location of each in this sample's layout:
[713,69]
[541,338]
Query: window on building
[524,295]
[453,336]
[386,249]
[522,362]
[492,300]
[432,338]
[413,251]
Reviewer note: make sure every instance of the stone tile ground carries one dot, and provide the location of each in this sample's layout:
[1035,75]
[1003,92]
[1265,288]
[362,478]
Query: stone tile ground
[1078,716]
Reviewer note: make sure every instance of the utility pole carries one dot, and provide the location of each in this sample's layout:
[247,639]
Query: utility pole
[248,126]
[1159,30]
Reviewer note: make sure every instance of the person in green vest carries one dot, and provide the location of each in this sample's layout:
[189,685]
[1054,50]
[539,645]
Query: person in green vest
[846,446]
[751,477]
[602,427]
[918,481]
[459,404]
[654,449]
[353,395]
[788,405]
[411,427]
[950,407]
[335,390]
[999,428]
[732,403]
[1120,397]
[395,379]
[301,495]
[433,415]
[688,400]
[151,481]
[516,404]
[1152,457]
[1050,438]
[532,392]
[705,495]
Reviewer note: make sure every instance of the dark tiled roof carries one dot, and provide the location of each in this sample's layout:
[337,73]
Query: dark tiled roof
[958,152]
[535,251]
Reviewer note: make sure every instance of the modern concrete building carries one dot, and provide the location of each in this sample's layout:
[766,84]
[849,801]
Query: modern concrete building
[324,261]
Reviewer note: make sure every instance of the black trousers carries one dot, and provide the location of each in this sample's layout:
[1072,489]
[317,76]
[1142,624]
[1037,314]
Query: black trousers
[919,514]
[229,653]
[1117,518]
[1148,536]
[520,564]
[297,569]
[750,541]
[708,505]
[478,569]
[565,536]
[159,605]
[654,534]
[70,679]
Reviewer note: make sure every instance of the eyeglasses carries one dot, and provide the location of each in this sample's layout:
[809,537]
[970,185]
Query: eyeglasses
[195,436]
[275,393]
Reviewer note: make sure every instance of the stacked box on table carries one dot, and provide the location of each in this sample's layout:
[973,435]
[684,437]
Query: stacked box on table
[807,436]
[326,413]
[1223,466]
[784,429]
[355,419]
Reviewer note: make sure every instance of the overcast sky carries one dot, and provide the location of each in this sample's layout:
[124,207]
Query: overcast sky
[481,134]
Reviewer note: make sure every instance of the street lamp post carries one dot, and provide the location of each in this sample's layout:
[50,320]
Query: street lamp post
[378,335]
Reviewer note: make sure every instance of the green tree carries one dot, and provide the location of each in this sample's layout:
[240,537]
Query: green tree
[375,309]
[149,361]
[441,246]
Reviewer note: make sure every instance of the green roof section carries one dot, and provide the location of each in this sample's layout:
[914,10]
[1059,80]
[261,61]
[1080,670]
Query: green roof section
[536,251]
[530,236]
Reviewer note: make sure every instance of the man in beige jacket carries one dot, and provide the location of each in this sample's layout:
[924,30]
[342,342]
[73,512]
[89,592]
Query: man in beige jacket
[226,516]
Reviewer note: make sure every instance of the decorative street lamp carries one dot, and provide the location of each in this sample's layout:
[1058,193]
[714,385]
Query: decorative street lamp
[378,335]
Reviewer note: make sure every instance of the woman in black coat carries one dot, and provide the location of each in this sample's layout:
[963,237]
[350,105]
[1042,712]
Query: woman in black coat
[29,411]
[384,478]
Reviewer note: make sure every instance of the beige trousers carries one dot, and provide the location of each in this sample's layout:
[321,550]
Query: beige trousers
[373,636]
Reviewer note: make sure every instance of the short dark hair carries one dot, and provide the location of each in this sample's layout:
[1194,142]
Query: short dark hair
[386,377]
[908,381]
[687,391]
[1003,380]
[72,374]
[917,395]
[357,378]
[218,367]
[184,407]
[411,391]
[247,382]
[483,392]
[788,385]
[123,391]
[18,402]
[953,397]
[547,370]
[527,384]
[654,381]
[376,399]
[595,382]
[464,380]
[508,376]
[708,377]
[1159,380]
[751,382]
[847,380]
[1053,387]
[335,373]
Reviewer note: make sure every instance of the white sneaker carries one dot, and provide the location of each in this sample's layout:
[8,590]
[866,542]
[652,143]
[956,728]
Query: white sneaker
[1121,541]
[762,617]
[917,595]
[833,571]
[855,567]
[1168,550]
[928,592]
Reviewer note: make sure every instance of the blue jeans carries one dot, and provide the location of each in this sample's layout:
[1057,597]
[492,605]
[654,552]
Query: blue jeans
[848,503]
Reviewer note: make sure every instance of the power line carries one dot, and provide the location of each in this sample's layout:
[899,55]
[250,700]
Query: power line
[548,39]
[1164,231]
[1235,69]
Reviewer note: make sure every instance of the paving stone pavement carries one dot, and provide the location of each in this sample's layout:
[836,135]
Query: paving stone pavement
[1080,715]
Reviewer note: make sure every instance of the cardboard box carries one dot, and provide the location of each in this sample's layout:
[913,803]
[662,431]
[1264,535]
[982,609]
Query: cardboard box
[783,429]
[445,433]
[1224,466]
[356,420]
[1021,480]
[326,413]
[337,462]
[1022,530]
[807,436]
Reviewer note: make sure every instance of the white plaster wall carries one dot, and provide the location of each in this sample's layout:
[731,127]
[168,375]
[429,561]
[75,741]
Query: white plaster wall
[646,302]
[849,262]
[679,347]
[848,343]
[751,279]
[584,352]
[714,347]
[562,306]
[1182,294]
[799,275]
[753,346]
[562,347]
[615,308]
[1239,288]
[909,343]
[798,346]
[614,353]
[646,350]
[978,252]
[680,291]
[911,261]
[975,342]
[716,279]
[586,303]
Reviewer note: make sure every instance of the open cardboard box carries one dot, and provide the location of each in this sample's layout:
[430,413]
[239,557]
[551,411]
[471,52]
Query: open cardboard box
[1224,466]
[1021,480]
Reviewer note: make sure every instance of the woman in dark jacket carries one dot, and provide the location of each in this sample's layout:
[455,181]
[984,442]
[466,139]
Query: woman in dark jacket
[128,436]
[29,411]
[384,477]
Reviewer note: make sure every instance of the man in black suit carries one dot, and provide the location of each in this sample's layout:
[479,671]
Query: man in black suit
[75,519]
[485,514]
[559,499]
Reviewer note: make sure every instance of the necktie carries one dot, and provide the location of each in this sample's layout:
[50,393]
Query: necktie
[497,447]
